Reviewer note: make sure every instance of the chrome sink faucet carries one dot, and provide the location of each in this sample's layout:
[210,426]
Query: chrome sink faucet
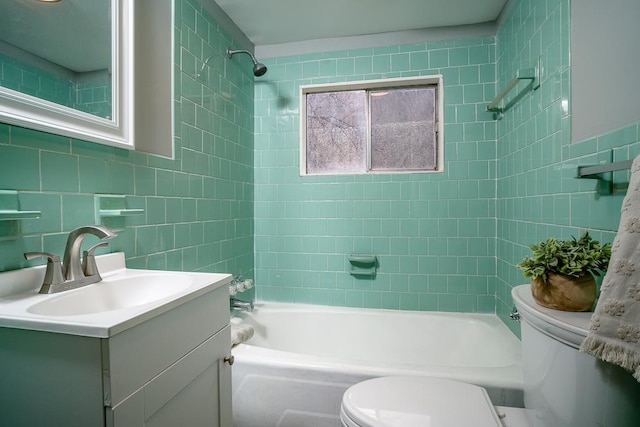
[72,272]
[71,264]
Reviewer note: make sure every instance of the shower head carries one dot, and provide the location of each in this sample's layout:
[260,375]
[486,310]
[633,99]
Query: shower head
[258,67]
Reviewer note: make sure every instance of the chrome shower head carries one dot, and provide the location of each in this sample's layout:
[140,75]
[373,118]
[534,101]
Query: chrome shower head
[258,67]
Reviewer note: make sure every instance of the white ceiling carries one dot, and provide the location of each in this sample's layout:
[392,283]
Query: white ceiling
[288,21]
[76,35]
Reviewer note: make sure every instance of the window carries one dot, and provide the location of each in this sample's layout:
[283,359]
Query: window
[372,127]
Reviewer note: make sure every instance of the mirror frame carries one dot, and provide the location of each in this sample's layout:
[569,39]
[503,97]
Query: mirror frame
[30,112]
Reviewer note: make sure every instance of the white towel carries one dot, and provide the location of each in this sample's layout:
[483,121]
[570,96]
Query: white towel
[240,333]
[614,331]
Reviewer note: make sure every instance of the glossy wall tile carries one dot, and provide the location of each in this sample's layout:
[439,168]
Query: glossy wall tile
[198,206]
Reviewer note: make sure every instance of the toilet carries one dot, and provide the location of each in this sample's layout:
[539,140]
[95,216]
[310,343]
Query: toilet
[562,386]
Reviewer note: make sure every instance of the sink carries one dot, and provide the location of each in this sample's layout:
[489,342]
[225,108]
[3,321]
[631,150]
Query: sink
[124,298]
[113,294]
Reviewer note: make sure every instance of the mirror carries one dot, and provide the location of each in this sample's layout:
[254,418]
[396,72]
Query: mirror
[604,82]
[66,68]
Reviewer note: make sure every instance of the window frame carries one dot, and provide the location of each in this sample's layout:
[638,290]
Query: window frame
[395,83]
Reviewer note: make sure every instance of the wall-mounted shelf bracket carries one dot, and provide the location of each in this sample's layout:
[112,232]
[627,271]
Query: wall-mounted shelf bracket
[110,205]
[10,207]
[112,211]
[531,74]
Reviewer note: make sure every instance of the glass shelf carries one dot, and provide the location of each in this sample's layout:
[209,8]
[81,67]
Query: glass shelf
[10,207]
[120,212]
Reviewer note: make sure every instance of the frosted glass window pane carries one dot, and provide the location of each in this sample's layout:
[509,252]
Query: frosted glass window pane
[336,132]
[374,126]
[403,124]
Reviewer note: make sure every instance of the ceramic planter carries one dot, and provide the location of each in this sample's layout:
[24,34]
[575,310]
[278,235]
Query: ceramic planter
[565,293]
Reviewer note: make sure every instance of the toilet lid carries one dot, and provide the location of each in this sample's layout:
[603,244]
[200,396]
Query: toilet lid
[417,402]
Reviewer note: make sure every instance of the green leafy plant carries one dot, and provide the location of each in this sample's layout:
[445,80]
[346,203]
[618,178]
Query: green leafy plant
[575,257]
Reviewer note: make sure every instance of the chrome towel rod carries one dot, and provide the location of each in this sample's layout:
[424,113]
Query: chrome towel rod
[603,173]
[590,171]
[532,74]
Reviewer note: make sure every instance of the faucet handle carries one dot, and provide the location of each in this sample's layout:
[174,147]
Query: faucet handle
[89,267]
[53,273]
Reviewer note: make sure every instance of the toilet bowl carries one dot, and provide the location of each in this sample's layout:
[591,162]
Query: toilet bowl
[562,386]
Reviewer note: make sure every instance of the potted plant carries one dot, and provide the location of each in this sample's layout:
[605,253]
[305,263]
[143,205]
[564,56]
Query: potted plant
[562,272]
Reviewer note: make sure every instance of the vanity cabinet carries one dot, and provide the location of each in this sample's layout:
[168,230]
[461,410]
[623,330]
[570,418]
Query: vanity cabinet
[168,370]
[190,392]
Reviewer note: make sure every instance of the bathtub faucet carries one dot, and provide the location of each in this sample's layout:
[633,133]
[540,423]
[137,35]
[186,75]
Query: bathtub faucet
[237,304]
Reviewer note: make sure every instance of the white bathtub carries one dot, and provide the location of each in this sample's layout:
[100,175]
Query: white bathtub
[302,358]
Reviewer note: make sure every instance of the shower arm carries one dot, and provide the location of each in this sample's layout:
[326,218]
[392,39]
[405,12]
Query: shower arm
[258,68]
[231,52]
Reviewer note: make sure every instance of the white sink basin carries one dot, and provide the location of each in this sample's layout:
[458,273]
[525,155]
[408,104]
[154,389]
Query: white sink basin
[112,294]
[124,298]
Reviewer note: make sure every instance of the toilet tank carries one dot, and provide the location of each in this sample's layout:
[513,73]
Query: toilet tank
[562,386]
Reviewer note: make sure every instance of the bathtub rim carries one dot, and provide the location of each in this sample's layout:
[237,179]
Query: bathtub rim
[508,377]
[500,377]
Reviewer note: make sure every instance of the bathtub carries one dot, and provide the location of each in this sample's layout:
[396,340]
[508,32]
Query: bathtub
[302,358]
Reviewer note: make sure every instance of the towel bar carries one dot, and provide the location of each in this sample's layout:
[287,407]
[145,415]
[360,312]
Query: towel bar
[605,183]
[591,171]
[532,74]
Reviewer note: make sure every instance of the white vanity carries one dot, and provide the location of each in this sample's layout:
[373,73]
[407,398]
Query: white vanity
[143,358]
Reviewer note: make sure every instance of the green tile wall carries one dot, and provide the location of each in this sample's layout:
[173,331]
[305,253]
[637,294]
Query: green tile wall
[91,97]
[198,207]
[33,81]
[445,241]
[434,234]
[538,195]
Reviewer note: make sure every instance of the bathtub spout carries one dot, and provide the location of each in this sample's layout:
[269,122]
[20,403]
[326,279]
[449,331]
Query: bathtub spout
[237,304]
